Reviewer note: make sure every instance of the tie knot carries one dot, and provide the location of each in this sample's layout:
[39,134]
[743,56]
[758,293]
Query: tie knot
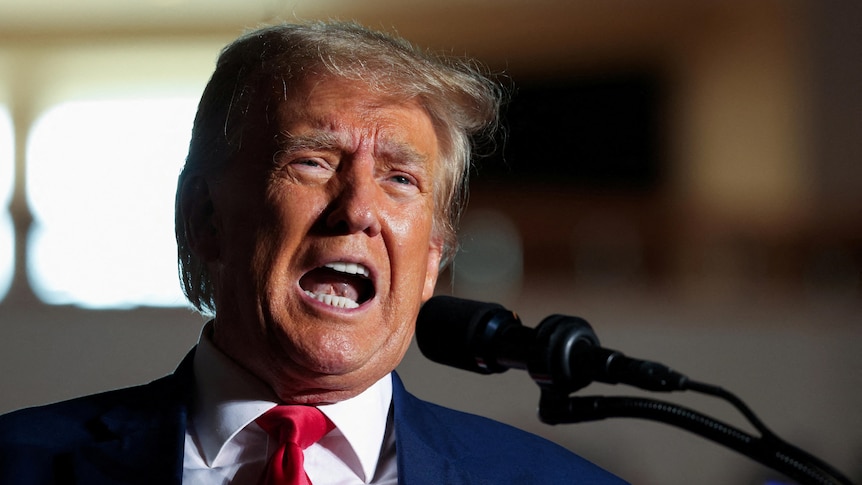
[300,425]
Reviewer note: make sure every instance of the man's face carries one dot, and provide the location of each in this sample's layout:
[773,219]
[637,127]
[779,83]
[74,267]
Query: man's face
[325,247]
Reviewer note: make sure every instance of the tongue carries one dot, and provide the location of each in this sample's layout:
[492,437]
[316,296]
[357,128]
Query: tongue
[323,281]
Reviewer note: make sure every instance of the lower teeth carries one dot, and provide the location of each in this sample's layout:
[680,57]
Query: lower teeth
[333,300]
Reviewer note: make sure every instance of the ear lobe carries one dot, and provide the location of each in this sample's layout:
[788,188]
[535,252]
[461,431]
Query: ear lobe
[435,253]
[198,214]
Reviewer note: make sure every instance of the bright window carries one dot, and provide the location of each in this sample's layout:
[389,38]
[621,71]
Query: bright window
[101,182]
[7,173]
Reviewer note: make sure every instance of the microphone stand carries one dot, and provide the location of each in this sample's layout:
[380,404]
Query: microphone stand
[563,355]
[768,449]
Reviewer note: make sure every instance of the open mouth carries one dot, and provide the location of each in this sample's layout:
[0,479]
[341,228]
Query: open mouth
[339,284]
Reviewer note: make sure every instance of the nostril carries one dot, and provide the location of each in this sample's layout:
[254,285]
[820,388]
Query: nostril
[349,218]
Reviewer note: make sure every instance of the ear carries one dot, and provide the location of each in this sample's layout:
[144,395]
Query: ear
[198,215]
[435,253]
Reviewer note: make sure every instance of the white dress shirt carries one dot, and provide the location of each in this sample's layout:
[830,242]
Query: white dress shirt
[225,446]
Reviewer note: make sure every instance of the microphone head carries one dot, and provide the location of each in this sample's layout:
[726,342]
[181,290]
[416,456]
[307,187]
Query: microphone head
[457,332]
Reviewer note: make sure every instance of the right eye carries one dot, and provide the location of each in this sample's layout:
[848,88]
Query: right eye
[307,162]
[308,169]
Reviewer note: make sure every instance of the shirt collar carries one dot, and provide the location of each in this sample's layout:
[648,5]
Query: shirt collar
[229,398]
[362,420]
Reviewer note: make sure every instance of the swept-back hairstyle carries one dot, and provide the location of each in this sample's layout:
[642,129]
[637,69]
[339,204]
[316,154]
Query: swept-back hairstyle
[258,71]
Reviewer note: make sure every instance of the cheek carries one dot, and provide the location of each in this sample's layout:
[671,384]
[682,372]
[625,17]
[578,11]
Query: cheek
[295,209]
[401,228]
[412,239]
[286,215]
[273,233]
[413,224]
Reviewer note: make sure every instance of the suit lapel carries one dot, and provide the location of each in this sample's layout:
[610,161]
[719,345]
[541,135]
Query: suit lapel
[141,440]
[144,449]
[426,452]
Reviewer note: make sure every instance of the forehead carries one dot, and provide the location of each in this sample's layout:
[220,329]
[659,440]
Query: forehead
[351,113]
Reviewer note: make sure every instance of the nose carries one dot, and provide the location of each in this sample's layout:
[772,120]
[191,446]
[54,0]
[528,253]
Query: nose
[354,209]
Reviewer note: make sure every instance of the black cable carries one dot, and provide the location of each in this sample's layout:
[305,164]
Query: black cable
[766,433]
[728,396]
[769,450]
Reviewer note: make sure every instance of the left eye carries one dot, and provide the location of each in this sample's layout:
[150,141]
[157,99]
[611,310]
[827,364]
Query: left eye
[401,179]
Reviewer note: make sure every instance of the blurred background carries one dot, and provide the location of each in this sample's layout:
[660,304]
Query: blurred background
[687,176]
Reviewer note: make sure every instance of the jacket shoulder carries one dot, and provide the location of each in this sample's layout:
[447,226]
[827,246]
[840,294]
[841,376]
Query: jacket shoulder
[497,452]
[66,423]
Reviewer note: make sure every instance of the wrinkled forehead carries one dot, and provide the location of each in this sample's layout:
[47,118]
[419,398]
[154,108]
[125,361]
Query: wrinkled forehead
[313,100]
[338,115]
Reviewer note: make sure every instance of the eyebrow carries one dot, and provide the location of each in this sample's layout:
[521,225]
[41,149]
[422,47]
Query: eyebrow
[317,140]
[401,153]
[391,151]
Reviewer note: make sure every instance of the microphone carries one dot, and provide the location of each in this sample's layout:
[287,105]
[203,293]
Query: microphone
[561,354]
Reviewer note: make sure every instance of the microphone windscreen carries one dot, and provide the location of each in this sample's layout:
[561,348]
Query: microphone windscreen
[450,330]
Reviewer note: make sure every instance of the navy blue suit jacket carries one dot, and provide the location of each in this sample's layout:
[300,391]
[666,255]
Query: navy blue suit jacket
[136,436]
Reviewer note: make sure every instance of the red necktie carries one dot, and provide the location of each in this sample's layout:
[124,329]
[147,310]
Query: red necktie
[296,428]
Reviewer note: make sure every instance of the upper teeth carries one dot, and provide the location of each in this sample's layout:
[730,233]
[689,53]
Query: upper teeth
[349,268]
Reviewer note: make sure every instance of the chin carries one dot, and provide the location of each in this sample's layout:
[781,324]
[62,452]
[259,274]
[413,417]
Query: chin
[331,358]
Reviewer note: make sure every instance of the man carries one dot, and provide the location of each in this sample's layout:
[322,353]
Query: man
[318,203]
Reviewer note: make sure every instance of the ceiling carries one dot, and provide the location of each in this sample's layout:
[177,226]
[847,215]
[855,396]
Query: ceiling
[529,32]
[41,17]
[446,22]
